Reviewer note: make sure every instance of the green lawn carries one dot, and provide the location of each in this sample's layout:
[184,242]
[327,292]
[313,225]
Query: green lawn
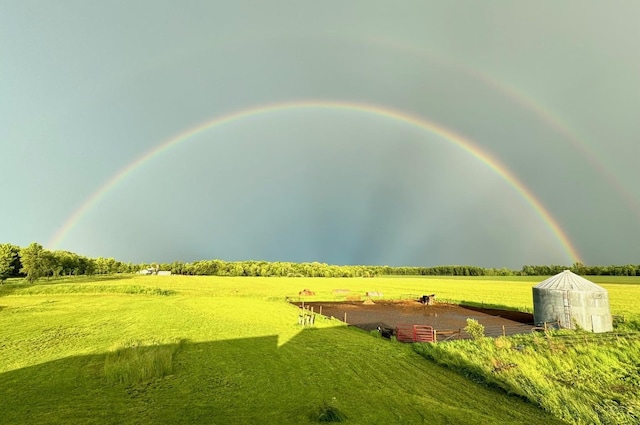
[237,356]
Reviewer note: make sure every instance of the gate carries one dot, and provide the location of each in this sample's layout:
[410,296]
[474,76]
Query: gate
[414,333]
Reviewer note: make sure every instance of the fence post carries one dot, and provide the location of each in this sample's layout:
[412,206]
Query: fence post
[504,333]
[345,317]
[320,310]
[435,335]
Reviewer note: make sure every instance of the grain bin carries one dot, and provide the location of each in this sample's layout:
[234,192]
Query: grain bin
[572,301]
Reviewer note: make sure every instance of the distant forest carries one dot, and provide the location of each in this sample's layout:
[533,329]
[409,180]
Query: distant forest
[34,262]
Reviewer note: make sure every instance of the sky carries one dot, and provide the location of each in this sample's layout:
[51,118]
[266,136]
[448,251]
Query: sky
[423,133]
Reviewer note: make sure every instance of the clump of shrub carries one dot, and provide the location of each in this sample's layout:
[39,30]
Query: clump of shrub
[136,289]
[627,325]
[475,329]
[328,412]
[502,343]
[135,362]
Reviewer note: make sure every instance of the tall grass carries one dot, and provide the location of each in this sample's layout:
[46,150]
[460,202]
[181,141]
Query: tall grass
[580,378]
[134,362]
[60,289]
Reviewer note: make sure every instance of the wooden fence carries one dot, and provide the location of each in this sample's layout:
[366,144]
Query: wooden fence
[423,333]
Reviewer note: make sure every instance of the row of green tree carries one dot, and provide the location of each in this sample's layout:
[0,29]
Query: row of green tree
[581,269]
[34,262]
[544,270]
[446,271]
[264,268]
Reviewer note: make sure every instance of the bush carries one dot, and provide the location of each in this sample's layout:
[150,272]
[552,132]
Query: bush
[475,329]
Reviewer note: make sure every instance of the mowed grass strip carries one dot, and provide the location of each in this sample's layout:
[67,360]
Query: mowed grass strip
[244,359]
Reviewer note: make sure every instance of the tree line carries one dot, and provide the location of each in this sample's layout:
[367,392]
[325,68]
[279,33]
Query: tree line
[34,262]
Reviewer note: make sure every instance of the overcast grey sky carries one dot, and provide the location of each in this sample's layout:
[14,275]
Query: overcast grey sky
[549,89]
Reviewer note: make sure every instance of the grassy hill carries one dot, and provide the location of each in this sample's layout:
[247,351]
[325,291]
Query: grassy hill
[146,349]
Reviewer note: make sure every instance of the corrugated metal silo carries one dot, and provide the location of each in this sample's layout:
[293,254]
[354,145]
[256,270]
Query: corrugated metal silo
[572,301]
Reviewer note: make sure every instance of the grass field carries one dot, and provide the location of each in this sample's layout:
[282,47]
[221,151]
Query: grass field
[509,292]
[514,292]
[583,378]
[230,351]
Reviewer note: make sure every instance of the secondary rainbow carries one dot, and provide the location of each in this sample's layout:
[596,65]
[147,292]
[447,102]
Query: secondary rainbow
[443,132]
[523,101]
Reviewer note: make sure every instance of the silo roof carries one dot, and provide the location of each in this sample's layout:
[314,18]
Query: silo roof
[569,281]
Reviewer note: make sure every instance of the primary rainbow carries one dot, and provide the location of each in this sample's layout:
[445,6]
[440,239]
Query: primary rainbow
[431,127]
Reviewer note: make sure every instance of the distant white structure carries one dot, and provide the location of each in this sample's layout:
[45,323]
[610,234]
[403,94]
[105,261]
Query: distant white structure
[573,301]
[164,273]
[147,271]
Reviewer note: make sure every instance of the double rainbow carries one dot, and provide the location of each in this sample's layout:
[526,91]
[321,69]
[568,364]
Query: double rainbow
[403,117]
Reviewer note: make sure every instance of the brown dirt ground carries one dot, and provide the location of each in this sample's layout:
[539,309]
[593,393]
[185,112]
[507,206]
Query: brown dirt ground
[442,317]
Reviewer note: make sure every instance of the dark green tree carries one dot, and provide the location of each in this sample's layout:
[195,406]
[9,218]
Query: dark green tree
[7,256]
[35,261]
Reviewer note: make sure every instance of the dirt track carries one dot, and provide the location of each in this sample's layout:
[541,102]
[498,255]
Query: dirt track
[442,317]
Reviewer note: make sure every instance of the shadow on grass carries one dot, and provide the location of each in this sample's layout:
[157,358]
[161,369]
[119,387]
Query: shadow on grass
[488,306]
[253,380]
[500,311]
[16,285]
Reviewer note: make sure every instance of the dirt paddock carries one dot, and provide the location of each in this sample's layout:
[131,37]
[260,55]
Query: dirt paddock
[444,318]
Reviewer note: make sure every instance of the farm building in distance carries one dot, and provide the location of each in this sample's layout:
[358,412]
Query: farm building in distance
[151,270]
[572,301]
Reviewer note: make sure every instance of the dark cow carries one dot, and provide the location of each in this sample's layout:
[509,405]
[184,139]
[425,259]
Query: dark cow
[427,299]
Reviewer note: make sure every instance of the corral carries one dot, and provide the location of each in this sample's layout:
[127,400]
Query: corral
[447,319]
